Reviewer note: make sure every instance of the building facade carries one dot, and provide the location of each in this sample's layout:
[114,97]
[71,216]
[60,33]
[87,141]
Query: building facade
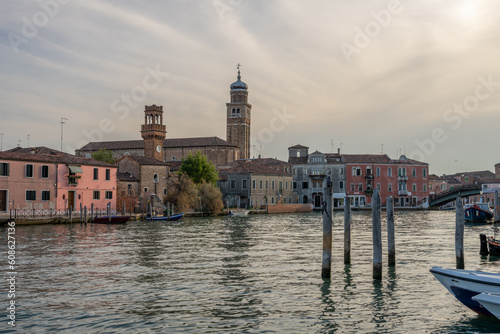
[252,184]
[147,182]
[404,179]
[310,174]
[40,178]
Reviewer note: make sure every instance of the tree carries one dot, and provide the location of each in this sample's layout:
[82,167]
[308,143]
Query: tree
[182,193]
[199,169]
[211,198]
[104,155]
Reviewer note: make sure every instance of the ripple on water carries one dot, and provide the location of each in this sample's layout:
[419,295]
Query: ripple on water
[254,274]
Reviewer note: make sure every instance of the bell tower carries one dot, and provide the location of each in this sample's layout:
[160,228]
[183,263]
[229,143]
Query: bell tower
[153,132]
[238,117]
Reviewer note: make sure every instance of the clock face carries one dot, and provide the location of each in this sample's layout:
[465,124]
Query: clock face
[158,148]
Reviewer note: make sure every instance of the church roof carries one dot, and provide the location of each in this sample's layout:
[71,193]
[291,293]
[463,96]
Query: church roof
[239,84]
[142,160]
[167,143]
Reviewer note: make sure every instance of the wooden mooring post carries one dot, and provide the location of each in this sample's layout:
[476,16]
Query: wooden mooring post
[326,268]
[70,214]
[497,208]
[459,232]
[377,236]
[347,230]
[85,214]
[92,211]
[391,244]
[108,211]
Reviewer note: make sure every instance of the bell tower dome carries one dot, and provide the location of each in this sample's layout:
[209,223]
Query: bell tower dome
[153,132]
[238,117]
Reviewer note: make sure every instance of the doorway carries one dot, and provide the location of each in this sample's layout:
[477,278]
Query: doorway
[3,200]
[71,199]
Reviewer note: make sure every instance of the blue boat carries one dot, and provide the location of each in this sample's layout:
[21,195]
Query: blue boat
[167,218]
[477,212]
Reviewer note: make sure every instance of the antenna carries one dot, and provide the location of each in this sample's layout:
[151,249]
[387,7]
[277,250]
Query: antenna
[382,149]
[62,122]
[332,145]
[1,142]
[28,140]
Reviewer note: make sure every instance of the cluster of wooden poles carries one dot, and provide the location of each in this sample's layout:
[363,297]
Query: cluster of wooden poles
[377,233]
[83,212]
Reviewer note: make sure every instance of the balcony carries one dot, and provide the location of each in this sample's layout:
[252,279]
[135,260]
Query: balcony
[404,193]
[402,178]
[73,181]
[369,176]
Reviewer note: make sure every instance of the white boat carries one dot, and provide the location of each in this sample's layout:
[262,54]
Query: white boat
[465,284]
[490,301]
[238,213]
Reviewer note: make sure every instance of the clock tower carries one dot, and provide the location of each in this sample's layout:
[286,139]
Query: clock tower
[238,117]
[153,132]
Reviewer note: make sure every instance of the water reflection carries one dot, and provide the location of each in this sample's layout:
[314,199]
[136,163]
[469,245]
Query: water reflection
[239,298]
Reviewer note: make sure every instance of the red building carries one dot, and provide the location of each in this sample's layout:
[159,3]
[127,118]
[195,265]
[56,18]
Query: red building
[404,179]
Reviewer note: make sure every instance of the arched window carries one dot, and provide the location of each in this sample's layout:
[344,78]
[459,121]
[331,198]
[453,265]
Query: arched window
[238,111]
[233,111]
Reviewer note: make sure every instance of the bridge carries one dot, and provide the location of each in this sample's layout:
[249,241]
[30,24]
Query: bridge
[452,194]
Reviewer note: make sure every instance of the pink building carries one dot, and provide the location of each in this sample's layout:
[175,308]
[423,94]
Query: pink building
[41,179]
[404,179]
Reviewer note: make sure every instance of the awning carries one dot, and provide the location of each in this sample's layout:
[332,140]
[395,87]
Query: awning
[75,169]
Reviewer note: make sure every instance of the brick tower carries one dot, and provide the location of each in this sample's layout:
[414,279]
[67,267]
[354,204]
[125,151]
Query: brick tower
[153,132]
[238,117]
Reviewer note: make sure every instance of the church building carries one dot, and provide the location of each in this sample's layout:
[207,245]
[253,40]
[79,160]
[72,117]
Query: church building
[154,143]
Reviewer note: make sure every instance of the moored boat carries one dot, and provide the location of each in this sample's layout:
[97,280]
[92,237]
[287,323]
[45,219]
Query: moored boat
[490,301]
[177,216]
[113,220]
[238,213]
[477,212]
[493,245]
[465,284]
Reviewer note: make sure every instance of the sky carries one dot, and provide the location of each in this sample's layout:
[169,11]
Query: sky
[420,78]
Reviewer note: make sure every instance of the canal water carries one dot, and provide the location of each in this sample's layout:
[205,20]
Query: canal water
[255,274]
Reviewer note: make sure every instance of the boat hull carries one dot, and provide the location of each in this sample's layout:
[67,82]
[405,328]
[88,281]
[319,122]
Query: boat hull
[167,218]
[474,214]
[466,284]
[493,246]
[114,220]
[489,301]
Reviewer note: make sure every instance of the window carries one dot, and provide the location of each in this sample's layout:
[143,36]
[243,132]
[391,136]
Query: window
[44,173]
[360,187]
[108,195]
[414,172]
[341,170]
[368,171]
[97,194]
[272,185]
[352,187]
[378,171]
[294,185]
[45,195]
[233,184]
[243,184]
[4,169]
[389,187]
[286,185]
[414,187]
[272,200]
[425,187]
[29,170]
[389,171]
[358,171]
[280,186]
[30,195]
[378,187]
[96,173]
[146,189]
[254,184]
[341,184]
[164,191]
[424,172]
[305,185]
[108,174]
[267,184]
[261,184]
